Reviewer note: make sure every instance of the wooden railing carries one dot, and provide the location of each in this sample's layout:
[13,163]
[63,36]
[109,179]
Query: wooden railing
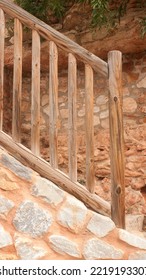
[111,70]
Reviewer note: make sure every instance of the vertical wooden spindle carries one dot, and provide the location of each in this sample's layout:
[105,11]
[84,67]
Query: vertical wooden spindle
[53,103]
[90,176]
[35,97]
[72,121]
[17,81]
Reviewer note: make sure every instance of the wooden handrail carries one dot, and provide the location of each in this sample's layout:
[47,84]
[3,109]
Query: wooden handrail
[51,34]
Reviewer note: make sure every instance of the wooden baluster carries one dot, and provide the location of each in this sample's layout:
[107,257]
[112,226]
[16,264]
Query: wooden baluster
[116,138]
[2,40]
[72,122]
[90,175]
[35,98]
[17,81]
[53,103]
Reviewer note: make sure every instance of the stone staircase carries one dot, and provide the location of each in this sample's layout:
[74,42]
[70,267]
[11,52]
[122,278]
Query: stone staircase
[38,220]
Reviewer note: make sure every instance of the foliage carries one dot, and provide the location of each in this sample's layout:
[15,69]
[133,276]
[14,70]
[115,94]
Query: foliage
[104,12]
[39,8]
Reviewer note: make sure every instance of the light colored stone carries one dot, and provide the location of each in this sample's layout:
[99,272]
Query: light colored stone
[5,238]
[105,123]
[129,105]
[72,214]
[96,109]
[30,218]
[8,186]
[142,83]
[28,250]
[46,110]
[63,245]
[100,225]
[48,191]
[81,113]
[5,205]
[15,166]
[132,239]
[96,120]
[5,256]
[137,256]
[134,222]
[97,249]
[45,99]
[104,114]
[64,113]
[101,100]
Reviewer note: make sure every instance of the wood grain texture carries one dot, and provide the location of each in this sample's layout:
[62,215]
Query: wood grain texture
[53,105]
[57,177]
[72,121]
[89,124]
[17,81]
[52,35]
[2,39]
[35,94]
[116,138]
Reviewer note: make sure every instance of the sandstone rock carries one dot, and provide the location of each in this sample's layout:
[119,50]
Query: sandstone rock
[4,256]
[100,225]
[134,222]
[137,256]
[5,205]
[129,105]
[101,100]
[8,186]
[5,238]
[63,245]
[72,214]
[97,249]
[104,114]
[48,191]
[30,218]
[15,166]
[96,120]
[28,250]
[132,239]
[142,83]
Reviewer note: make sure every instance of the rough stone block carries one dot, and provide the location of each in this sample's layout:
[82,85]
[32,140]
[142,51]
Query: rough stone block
[97,249]
[30,218]
[72,215]
[5,205]
[134,222]
[132,239]
[5,238]
[27,250]
[100,225]
[63,245]
[137,256]
[48,191]
[15,166]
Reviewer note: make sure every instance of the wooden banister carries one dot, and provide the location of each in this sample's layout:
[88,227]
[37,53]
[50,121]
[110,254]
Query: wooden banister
[51,34]
[75,52]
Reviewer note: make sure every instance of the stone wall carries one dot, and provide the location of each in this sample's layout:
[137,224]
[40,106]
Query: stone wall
[40,221]
[134,110]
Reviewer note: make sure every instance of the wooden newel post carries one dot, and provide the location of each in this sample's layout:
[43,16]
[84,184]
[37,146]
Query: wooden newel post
[116,139]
